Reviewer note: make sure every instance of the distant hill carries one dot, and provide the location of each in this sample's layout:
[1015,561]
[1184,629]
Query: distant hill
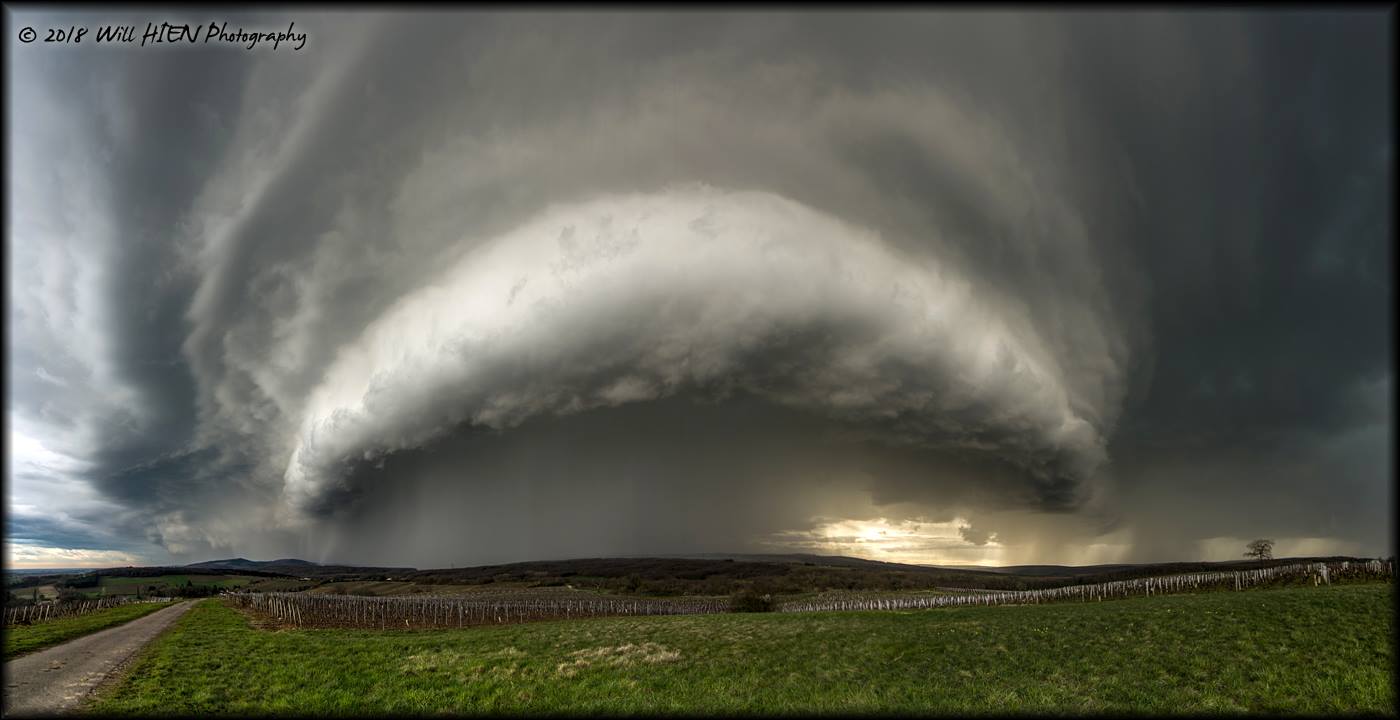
[719,574]
[833,561]
[724,573]
[1045,570]
[44,571]
[246,564]
[293,567]
[230,564]
[1103,573]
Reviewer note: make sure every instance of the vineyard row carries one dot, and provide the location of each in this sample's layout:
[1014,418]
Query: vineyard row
[29,614]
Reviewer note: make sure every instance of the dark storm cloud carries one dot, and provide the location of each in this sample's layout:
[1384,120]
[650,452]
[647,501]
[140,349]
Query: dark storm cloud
[493,282]
[1269,249]
[69,533]
[975,536]
[153,131]
[1269,243]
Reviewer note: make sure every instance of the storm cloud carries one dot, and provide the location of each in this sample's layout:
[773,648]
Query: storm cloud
[478,287]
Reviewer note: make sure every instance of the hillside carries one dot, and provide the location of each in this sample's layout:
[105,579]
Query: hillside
[293,567]
[722,574]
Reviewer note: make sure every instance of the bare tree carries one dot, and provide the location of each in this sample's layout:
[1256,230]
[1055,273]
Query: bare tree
[1260,550]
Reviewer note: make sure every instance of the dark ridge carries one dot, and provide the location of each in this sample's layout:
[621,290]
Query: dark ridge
[715,574]
[293,567]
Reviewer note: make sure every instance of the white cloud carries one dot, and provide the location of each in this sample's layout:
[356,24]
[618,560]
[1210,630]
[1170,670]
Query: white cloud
[27,555]
[46,483]
[629,298]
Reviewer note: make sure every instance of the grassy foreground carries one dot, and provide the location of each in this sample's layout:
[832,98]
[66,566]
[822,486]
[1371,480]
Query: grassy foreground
[21,639]
[1293,650]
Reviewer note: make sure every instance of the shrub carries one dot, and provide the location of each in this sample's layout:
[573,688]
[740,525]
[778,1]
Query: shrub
[86,580]
[750,601]
[67,596]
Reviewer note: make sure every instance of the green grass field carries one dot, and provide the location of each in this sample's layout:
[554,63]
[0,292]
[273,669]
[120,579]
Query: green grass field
[21,639]
[116,585]
[1291,650]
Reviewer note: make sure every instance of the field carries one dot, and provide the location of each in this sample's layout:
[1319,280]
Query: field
[44,592]
[21,639]
[278,584]
[381,588]
[114,585]
[1286,650]
[393,587]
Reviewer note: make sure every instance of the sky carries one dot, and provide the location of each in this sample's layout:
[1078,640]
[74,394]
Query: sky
[452,288]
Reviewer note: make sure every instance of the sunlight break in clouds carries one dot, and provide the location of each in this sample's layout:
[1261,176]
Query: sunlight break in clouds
[909,541]
[23,555]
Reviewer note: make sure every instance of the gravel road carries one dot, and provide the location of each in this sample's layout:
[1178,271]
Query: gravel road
[56,680]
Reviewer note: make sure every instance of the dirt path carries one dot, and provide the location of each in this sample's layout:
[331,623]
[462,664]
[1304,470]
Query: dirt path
[57,679]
